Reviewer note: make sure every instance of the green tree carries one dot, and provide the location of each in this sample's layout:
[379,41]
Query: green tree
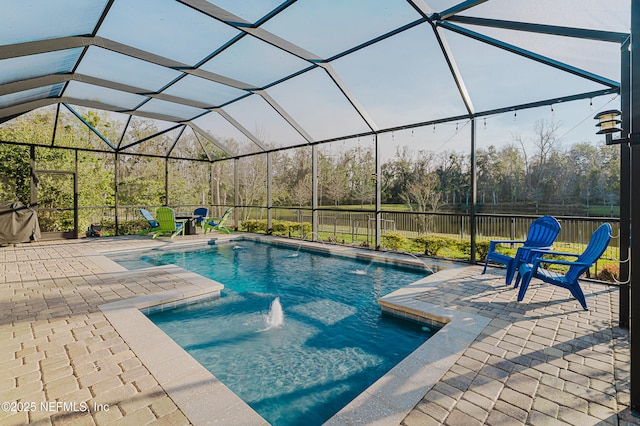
[14,173]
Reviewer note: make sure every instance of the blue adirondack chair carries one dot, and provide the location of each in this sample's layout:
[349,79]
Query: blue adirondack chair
[542,233]
[200,213]
[153,223]
[597,245]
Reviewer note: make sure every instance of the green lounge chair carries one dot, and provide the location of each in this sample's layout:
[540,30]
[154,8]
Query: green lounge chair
[166,218]
[217,224]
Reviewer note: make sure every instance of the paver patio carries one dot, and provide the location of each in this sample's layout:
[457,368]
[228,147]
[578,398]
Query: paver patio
[544,361]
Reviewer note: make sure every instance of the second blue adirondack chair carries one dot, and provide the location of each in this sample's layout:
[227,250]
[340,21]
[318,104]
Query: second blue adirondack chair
[597,245]
[200,213]
[542,233]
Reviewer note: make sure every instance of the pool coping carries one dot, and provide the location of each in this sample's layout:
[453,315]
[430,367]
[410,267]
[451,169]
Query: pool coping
[205,399]
[197,393]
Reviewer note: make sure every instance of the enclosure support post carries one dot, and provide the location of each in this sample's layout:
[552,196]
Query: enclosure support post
[211,187]
[634,102]
[33,200]
[314,193]
[472,206]
[269,193]
[236,190]
[625,189]
[166,181]
[75,196]
[377,179]
[116,159]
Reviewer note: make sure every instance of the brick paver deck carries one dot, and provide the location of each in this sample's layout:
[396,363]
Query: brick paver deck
[541,362]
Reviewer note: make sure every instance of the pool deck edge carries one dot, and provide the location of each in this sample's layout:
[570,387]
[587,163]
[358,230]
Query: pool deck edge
[197,393]
[391,398]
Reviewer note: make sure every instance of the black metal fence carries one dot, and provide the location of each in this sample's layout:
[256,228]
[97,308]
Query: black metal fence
[357,227]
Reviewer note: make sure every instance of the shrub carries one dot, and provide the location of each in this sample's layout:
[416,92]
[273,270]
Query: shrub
[482,249]
[456,248]
[434,243]
[278,227]
[394,240]
[125,227]
[254,225]
[609,272]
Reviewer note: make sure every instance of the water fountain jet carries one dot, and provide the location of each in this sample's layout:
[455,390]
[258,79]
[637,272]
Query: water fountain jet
[275,317]
[362,271]
[304,237]
[424,264]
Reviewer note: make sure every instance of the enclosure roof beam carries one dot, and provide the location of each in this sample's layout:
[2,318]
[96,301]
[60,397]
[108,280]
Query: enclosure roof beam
[422,7]
[350,97]
[169,63]
[460,7]
[103,16]
[146,138]
[608,36]
[51,79]
[211,139]
[550,101]
[43,46]
[13,111]
[175,141]
[93,129]
[124,131]
[455,71]
[285,115]
[529,54]
[201,145]
[100,105]
[139,91]
[241,128]
[48,80]
[8,51]
[33,83]
[240,24]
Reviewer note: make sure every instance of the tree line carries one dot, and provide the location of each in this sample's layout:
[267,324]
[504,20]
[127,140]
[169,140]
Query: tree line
[514,178]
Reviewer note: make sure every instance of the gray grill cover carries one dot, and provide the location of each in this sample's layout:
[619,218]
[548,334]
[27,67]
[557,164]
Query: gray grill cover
[18,223]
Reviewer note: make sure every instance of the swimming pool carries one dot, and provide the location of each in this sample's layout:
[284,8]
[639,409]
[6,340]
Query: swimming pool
[332,344]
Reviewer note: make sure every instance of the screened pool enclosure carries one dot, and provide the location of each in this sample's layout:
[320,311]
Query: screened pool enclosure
[353,117]
[354,121]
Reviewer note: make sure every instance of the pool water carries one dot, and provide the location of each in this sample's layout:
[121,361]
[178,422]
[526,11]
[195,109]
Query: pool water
[331,343]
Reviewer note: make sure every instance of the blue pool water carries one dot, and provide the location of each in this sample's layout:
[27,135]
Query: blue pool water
[333,342]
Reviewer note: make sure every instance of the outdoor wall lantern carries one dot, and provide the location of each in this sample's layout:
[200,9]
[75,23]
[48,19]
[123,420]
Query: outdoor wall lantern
[608,122]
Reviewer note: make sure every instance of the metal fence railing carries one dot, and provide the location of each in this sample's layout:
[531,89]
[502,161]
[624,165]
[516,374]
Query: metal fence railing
[358,227]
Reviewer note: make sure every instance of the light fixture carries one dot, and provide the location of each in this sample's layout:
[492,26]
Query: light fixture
[608,122]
